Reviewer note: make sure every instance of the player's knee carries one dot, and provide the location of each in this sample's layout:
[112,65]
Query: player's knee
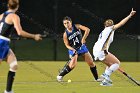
[118,63]
[13,66]
[72,65]
[91,63]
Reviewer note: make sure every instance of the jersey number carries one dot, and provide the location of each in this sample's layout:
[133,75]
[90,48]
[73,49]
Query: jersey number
[100,36]
[1,25]
[75,41]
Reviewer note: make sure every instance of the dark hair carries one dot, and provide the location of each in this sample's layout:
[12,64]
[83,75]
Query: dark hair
[13,4]
[67,18]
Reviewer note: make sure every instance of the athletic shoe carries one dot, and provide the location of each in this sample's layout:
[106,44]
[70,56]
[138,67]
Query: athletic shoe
[105,76]
[59,78]
[105,82]
[8,92]
[101,78]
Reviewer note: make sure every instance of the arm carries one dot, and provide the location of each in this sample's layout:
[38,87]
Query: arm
[20,31]
[122,22]
[85,29]
[66,42]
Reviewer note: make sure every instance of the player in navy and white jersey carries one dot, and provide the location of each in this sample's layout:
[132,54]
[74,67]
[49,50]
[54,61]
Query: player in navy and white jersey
[8,20]
[75,43]
[100,49]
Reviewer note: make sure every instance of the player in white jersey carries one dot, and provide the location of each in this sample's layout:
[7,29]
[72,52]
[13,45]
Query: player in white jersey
[100,49]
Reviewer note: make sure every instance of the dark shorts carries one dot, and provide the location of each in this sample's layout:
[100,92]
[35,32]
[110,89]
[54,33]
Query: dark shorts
[4,48]
[82,50]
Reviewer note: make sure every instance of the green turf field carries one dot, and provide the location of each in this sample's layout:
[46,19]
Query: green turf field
[40,77]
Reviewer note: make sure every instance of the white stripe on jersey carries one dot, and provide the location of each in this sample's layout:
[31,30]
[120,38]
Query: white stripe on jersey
[1,25]
[105,39]
[4,38]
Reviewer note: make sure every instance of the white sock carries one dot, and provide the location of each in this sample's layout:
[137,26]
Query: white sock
[111,69]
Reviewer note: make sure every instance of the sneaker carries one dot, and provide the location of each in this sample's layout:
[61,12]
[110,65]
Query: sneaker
[101,78]
[59,78]
[8,92]
[105,82]
[105,76]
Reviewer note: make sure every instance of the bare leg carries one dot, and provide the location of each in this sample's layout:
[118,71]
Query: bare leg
[0,61]
[67,68]
[88,58]
[12,61]
[113,64]
[73,62]
[111,59]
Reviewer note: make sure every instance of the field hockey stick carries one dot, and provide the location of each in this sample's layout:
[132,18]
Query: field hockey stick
[45,34]
[70,58]
[67,63]
[127,75]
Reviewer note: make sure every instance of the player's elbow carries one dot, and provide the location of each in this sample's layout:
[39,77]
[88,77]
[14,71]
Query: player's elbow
[19,33]
[88,30]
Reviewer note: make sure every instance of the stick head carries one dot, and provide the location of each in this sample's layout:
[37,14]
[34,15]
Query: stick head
[45,34]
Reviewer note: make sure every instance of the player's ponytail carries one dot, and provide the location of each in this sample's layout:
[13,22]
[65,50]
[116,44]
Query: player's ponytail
[13,4]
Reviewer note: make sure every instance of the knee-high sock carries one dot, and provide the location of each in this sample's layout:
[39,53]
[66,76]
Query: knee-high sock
[10,80]
[65,71]
[94,72]
[111,69]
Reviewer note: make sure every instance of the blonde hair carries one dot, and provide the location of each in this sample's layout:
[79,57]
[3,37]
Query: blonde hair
[13,4]
[108,22]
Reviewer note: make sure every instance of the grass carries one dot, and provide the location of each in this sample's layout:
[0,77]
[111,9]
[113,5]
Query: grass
[40,77]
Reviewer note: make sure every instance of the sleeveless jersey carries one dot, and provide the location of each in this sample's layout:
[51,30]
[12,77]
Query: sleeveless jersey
[74,37]
[5,27]
[105,39]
